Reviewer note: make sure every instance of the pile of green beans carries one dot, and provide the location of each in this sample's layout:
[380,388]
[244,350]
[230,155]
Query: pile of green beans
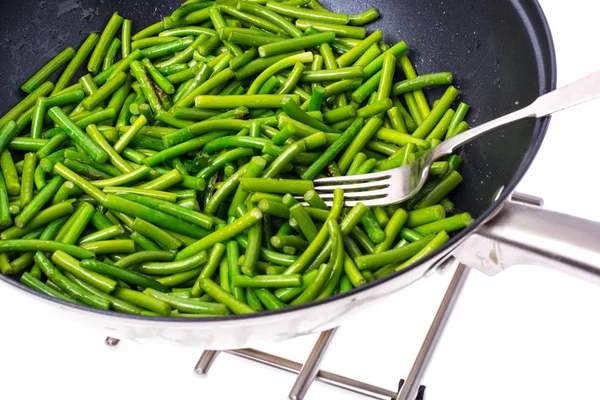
[165,181]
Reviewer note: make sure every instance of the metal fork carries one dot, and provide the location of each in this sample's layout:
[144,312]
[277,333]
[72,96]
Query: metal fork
[399,184]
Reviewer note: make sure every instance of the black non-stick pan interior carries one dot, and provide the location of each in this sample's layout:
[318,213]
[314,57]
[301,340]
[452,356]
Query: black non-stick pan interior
[500,52]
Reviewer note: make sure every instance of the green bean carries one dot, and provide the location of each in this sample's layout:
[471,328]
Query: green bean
[125,113]
[295,112]
[189,305]
[281,186]
[340,144]
[392,230]
[221,296]
[440,191]
[270,16]
[103,234]
[103,45]
[442,127]
[75,226]
[219,236]
[233,255]
[71,265]
[268,299]
[461,111]
[340,114]
[425,215]
[143,242]
[243,59]
[297,43]
[114,157]
[43,218]
[113,49]
[447,204]
[155,233]
[27,144]
[274,208]
[138,72]
[436,114]
[450,224]
[151,215]
[37,117]
[192,113]
[352,55]
[158,78]
[375,108]
[20,109]
[251,19]
[420,82]
[377,63]
[5,214]
[145,257]
[339,30]
[29,211]
[126,38]
[267,281]
[376,234]
[7,165]
[363,239]
[419,96]
[228,187]
[314,200]
[76,61]
[125,275]
[253,300]
[48,246]
[187,54]
[387,76]
[149,31]
[360,140]
[463,126]
[182,213]
[121,66]
[7,133]
[365,17]
[269,255]
[324,272]
[35,284]
[77,135]
[347,73]
[280,242]
[313,15]
[173,267]
[27,178]
[214,260]
[45,72]
[439,240]
[89,87]
[115,303]
[143,300]
[127,178]
[65,284]
[394,256]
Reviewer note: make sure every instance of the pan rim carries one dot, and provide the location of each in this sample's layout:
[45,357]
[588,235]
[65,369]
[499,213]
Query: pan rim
[548,71]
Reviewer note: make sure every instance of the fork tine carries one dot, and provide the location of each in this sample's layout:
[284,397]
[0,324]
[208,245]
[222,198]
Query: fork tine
[354,186]
[353,178]
[359,195]
[369,203]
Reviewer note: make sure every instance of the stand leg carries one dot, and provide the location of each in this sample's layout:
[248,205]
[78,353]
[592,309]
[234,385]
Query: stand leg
[410,388]
[206,361]
[311,366]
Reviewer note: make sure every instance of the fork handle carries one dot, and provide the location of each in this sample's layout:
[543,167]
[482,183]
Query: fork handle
[578,92]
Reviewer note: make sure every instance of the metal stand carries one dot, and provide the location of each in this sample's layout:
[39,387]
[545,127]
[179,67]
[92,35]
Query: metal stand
[308,372]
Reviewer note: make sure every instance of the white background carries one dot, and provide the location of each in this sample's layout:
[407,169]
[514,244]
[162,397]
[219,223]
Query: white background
[528,333]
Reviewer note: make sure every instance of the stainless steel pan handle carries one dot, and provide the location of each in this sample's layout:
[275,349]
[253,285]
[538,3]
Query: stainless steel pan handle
[526,234]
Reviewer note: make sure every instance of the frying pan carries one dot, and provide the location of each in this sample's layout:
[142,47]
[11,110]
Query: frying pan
[503,58]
